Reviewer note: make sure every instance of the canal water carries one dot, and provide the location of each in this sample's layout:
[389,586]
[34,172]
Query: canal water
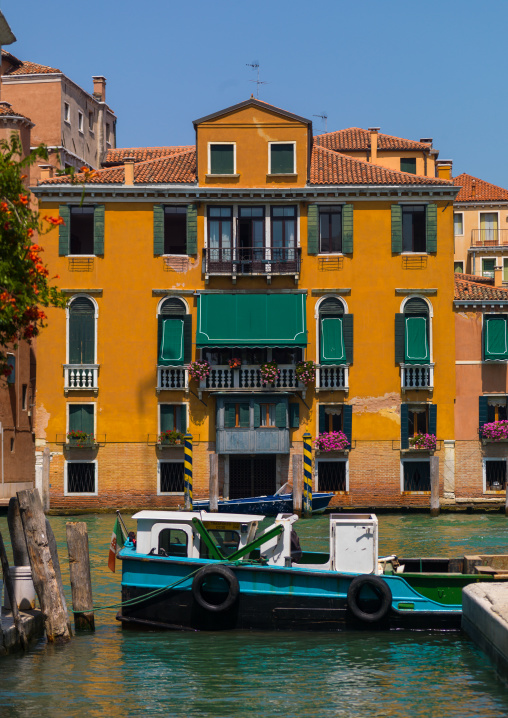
[126,674]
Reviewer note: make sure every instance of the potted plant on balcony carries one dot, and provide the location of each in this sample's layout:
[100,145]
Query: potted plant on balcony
[199,370]
[495,431]
[332,441]
[171,437]
[422,442]
[80,439]
[306,372]
[269,372]
[235,363]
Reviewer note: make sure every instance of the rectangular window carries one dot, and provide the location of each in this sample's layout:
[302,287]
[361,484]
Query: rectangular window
[416,475]
[332,475]
[282,158]
[171,350]
[458,224]
[330,229]
[330,418]
[414,228]
[458,267]
[417,420]
[90,121]
[227,542]
[171,477]
[408,164]
[81,418]
[175,230]
[332,349]
[494,472]
[488,266]
[417,349]
[237,416]
[80,121]
[495,337]
[496,409]
[173,542]
[222,159]
[82,230]
[251,234]
[173,417]
[108,132]
[267,414]
[81,477]
[505,269]
[489,228]
[283,233]
[220,233]
[24,397]
[67,112]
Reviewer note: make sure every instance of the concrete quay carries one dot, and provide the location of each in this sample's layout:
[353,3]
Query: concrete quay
[33,622]
[485,620]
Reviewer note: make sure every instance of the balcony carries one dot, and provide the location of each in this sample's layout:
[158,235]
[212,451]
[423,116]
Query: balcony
[489,238]
[81,377]
[417,376]
[332,377]
[172,378]
[249,261]
[248,378]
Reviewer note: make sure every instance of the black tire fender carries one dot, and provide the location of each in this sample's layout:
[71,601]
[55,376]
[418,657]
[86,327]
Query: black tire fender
[380,587]
[225,573]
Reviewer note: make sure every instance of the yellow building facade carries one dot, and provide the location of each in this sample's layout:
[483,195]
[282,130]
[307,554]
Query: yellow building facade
[262,245]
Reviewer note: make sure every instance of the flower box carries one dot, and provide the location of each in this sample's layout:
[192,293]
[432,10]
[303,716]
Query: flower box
[199,370]
[80,440]
[495,431]
[331,441]
[422,442]
[270,372]
[306,372]
[171,439]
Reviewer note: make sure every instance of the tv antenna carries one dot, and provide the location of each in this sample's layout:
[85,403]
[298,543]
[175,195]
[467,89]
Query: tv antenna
[324,117]
[255,66]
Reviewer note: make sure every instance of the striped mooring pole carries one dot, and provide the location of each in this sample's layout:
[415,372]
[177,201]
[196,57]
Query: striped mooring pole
[188,473]
[307,474]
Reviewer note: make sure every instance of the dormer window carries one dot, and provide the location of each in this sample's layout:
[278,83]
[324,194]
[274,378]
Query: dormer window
[282,158]
[222,158]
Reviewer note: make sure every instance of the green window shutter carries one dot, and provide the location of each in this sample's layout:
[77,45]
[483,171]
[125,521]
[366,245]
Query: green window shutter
[433,419]
[171,342]
[158,229]
[347,330]
[167,417]
[222,159]
[75,417]
[408,164]
[187,338]
[347,422]
[257,415]
[347,228]
[294,416]
[417,349]
[81,417]
[192,229]
[322,419]
[183,418]
[81,338]
[98,229]
[400,332]
[483,411]
[332,341]
[280,415]
[404,428]
[64,230]
[229,416]
[160,321]
[495,338]
[282,159]
[244,411]
[431,227]
[312,229]
[396,228]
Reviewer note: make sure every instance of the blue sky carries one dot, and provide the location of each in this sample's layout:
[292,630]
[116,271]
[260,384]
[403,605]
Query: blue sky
[415,69]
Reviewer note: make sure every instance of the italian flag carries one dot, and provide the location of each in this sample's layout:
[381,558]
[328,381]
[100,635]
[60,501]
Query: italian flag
[117,542]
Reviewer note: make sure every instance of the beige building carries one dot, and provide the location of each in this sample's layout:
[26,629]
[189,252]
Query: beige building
[77,127]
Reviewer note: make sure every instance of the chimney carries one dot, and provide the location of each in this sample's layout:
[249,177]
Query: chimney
[498,276]
[99,88]
[444,169]
[426,140]
[473,189]
[46,172]
[373,144]
[128,163]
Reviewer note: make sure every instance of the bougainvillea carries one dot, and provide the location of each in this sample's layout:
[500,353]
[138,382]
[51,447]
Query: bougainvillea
[24,279]
[332,441]
[306,371]
[235,363]
[495,430]
[269,372]
[199,370]
[426,442]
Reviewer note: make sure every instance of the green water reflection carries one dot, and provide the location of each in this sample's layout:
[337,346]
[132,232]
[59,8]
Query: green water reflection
[120,673]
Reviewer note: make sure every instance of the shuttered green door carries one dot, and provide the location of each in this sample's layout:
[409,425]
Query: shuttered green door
[495,338]
[171,349]
[404,427]
[192,229]
[158,229]
[332,341]
[396,228]
[431,227]
[81,417]
[400,330]
[347,228]
[347,414]
[417,343]
[98,230]
[64,230]
[312,229]
[81,335]
[483,411]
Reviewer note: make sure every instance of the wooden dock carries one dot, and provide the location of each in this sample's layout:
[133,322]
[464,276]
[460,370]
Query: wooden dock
[33,624]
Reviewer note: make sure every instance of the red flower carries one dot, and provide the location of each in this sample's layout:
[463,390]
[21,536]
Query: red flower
[23,199]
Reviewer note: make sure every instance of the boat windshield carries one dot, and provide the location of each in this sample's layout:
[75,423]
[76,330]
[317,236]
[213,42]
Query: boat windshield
[173,542]
[227,542]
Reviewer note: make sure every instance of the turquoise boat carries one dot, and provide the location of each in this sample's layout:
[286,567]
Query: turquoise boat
[213,571]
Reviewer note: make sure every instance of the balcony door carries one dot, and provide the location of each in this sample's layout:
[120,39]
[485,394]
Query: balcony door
[251,238]
[283,234]
[488,228]
[220,235]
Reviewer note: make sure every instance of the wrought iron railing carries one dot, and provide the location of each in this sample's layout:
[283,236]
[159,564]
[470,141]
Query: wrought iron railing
[81,377]
[248,377]
[252,260]
[332,376]
[416,376]
[172,377]
[489,237]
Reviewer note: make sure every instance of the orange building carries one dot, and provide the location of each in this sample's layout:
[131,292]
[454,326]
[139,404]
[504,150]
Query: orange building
[258,249]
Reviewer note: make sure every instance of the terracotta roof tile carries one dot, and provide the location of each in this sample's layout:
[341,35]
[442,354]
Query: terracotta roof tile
[477,190]
[172,169]
[469,287]
[355,138]
[7,109]
[114,157]
[330,167]
[31,68]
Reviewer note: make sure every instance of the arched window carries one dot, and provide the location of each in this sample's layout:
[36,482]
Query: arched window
[335,333]
[82,331]
[174,342]
[412,333]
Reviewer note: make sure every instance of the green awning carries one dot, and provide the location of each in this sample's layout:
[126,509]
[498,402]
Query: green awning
[171,348]
[251,320]
[417,343]
[496,344]
[332,341]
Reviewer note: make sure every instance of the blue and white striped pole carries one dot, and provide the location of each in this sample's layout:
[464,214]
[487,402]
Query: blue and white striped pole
[307,474]
[188,473]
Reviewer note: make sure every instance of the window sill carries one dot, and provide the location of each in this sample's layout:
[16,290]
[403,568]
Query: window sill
[170,256]
[330,254]
[285,175]
[81,256]
[488,492]
[415,493]
[415,254]
[171,493]
[230,176]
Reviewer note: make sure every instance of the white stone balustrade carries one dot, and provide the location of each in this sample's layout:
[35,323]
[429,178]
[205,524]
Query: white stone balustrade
[81,377]
[416,376]
[172,378]
[249,377]
[332,377]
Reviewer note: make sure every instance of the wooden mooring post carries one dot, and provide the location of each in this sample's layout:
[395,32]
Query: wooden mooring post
[12,599]
[434,485]
[81,580]
[213,489]
[49,590]
[297,484]
[18,543]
